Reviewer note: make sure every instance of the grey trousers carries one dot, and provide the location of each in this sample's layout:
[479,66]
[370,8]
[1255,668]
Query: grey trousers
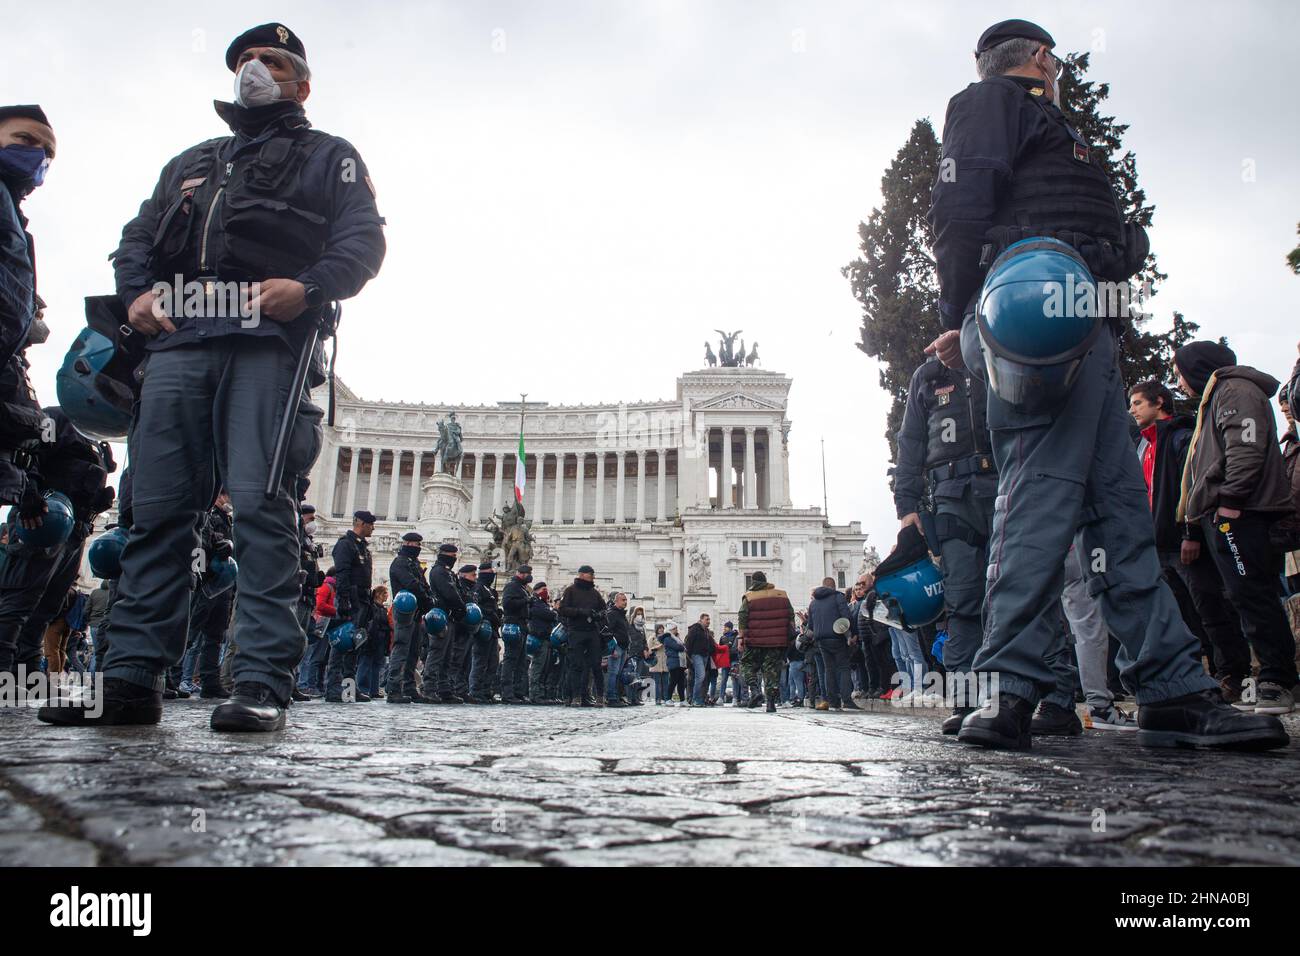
[33,586]
[539,669]
[403,658]
[1060,472]
[964,567]
[1091,639]
[208,413]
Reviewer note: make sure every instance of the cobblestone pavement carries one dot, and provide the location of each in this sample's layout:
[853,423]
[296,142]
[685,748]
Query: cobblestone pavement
[366,784]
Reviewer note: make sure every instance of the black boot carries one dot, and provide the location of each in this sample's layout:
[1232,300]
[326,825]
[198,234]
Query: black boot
[1052,720]
[1204,719]
[254,707]
[771,703]
[122,703]
[298,695]
[952,724]
[755,698]
[1001,724]
[396,697]
[212,690]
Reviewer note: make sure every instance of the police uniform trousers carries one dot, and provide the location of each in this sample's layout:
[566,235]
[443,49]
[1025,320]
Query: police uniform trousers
[514,667]
[762,660]
[443,660]
[539,670]
[582,655]
[404,656]
[964,523]
[486,652]
[33,586]
[1073,469]
[210,412]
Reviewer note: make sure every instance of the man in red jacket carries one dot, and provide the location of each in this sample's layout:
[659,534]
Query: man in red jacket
[766,620]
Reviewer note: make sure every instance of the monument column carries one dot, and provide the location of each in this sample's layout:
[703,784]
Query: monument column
[619,501]
[537,486]
[558,516]
[725,498]
[751,470]
[372,494]
[640,484]
[475,506]
[326,507]
[581,457]
[392,486]
[661,510]
[416,467]
[600,487]
[498,460]
[354,474]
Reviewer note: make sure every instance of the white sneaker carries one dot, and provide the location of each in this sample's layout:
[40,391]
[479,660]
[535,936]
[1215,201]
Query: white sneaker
[1112,718]
[1273,699]
[910,699]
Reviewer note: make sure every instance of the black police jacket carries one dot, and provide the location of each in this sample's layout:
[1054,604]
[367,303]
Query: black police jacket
[76,466]
[275,200]
[1013,167]
[308,567]
[404,574]
[353,572]
[17,274]
[514,601]
[486,597]
[541,618]
[581,606]
[943,422]
[446,591]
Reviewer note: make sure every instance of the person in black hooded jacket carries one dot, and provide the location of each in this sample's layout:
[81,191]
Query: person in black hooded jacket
[542,619]
[405,575]
[446,654]
[582,609]
[514,614]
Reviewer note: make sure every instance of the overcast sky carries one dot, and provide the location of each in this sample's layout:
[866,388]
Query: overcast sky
[578,193]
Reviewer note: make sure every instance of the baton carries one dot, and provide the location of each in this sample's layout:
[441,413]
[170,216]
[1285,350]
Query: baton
[285,432]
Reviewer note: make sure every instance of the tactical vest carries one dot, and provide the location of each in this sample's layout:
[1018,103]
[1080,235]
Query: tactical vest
[956,427]
[362,571]
[243,214]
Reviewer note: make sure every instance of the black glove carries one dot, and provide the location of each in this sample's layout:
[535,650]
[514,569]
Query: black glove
[32,505]
[344,609]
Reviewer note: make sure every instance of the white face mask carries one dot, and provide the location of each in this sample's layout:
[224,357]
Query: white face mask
[254,86]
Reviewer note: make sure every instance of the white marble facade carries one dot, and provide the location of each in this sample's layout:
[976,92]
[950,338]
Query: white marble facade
[673,501]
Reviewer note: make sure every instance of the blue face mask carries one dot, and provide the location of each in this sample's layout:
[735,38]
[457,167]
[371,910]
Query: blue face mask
[24,164]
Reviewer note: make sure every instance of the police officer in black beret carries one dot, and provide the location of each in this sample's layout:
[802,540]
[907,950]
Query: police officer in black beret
[265,227]
[354,578]
[485,642]
[1013,168]
[405,574]
[446,650]
[515,599]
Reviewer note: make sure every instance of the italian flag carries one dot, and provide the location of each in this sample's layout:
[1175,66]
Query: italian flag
[520,477]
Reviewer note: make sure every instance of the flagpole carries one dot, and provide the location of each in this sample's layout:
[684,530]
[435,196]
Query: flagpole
[523,396]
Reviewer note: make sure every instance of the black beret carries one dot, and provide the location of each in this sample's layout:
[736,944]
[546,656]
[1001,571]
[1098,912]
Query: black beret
[413,536]
[1012,30]
[268,34]
[468,569]
[524,569]
[586,569]
[364,516]
[307,510]
[539,586]
[32,112]
[485,566]
[448,548]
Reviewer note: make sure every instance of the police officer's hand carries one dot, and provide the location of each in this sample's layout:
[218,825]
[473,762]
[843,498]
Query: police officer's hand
[913,521]
[32,508]
[1190,551]
[146,315]
[280,300]
[948,348]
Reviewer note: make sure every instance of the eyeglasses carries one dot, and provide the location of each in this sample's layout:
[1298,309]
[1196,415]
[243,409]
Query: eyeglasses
[1060,64]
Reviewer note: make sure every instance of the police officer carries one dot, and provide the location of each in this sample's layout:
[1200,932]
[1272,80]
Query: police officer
[270,223]
[945,467]
[542,619]
[210,613]
[1013,168]
[27,147]
[446,651]
[582,610]
[354,578]
[34,581]
[463,649]
[405,574]
[312,577]
[486,649]
[515,600]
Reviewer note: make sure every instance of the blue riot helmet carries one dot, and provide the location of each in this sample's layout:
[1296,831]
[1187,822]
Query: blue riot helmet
[911,596]
[347,637]
[404,606]
[533,646]
[97,382]
[435,622]
[511,633]
[611,646]
[559,636]
[219,577]
[1037,315]
[940,642]
[105,553]
[485,630]
[56,523]
[473,614]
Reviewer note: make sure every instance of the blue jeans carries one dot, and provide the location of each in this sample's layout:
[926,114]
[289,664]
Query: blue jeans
[661,686]
[700,670]
[613,684]
[794,681]
[369,667]
[906,648]
[311,674]
[191,657]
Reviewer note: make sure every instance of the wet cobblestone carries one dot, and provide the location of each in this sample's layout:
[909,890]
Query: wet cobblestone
[371,784]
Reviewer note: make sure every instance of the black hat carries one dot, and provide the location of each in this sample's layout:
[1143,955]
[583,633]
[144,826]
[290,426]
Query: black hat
[307,510]
[467,569]
[485,565]
[32,112]
[414,537]
[268,34]
[363,516]
[586,569]
[539,586]
[1012,30]
[524,569]
[448,548]
[1197,361]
